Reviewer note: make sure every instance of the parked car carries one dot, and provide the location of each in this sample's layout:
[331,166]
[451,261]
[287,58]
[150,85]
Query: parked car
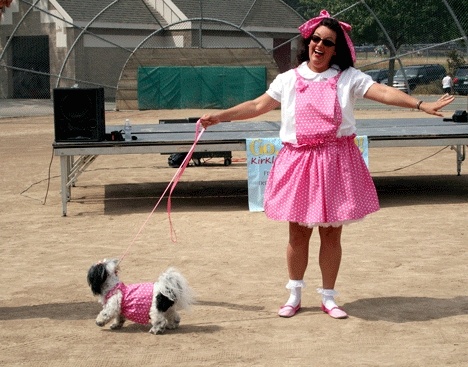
[417,75]
[460,80]
[378,74]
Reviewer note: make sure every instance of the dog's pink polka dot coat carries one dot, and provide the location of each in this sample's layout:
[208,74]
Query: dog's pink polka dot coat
[136,301]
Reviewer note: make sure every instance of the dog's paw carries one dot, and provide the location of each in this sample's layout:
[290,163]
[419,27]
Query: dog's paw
[173,321]
[157,330]
[173,325]
[100,323]
[118,324]
[159,327]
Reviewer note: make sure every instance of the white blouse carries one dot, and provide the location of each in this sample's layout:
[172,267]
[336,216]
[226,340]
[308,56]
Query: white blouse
[352,84]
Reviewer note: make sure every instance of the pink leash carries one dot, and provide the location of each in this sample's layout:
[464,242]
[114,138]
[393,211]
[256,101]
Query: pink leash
[172,184]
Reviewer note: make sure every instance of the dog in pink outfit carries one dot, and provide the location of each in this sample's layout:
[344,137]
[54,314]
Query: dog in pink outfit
[143,303]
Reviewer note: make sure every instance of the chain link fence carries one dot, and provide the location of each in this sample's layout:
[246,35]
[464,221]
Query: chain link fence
[417,43]
[65,43]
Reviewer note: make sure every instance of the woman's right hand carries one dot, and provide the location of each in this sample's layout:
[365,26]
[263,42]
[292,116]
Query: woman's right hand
[242,111]
[209,120]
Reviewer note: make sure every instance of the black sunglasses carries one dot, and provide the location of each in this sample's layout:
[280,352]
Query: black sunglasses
[326,43]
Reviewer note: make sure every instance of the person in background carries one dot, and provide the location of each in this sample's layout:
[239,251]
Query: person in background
[319,179]
[447,83]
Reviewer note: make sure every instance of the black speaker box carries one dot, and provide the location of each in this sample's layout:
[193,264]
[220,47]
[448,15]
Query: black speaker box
[79,114]
[460,116]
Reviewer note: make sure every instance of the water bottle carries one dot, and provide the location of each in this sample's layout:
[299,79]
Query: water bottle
[128,130]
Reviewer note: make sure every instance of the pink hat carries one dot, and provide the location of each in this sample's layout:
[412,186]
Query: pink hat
[308,28]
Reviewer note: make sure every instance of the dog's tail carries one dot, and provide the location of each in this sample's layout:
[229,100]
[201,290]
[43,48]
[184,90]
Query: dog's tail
[174,286]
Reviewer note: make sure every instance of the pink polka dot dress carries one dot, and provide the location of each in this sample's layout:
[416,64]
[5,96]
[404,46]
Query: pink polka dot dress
[136,301]
[322,180]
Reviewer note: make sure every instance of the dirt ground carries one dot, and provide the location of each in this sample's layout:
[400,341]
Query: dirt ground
[403,279]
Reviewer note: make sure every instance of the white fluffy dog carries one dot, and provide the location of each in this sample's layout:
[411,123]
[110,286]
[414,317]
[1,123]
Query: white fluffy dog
[155,303]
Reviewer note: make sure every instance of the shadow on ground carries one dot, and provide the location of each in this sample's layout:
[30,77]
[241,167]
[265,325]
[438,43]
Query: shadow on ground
[54,311]
[407,309]
[232,195]
[187,196]
[421,190]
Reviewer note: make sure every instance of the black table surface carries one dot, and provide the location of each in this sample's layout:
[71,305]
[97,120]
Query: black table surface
[237,132]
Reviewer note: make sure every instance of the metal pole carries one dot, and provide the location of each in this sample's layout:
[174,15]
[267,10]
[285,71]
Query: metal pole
[390,43]
[460,28]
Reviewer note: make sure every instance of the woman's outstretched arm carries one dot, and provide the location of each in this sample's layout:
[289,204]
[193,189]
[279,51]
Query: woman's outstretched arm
[391,96]
[242,111]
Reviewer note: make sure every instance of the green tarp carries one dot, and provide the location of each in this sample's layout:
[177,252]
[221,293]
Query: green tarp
[179,87]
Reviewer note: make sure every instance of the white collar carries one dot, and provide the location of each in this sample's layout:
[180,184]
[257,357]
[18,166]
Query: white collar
[306,73]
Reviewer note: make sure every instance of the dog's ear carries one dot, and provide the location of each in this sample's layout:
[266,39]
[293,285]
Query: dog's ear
[97,275]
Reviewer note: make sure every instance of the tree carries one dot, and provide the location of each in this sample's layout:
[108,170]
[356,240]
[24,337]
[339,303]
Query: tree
[296,5]
[392,23]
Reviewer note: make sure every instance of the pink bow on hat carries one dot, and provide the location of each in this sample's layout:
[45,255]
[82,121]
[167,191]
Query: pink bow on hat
[308,28]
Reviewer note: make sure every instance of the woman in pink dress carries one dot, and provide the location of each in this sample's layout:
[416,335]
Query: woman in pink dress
[319,179]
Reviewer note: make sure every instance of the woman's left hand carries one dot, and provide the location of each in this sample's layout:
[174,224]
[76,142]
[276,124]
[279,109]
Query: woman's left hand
[432,108]
[391,96]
